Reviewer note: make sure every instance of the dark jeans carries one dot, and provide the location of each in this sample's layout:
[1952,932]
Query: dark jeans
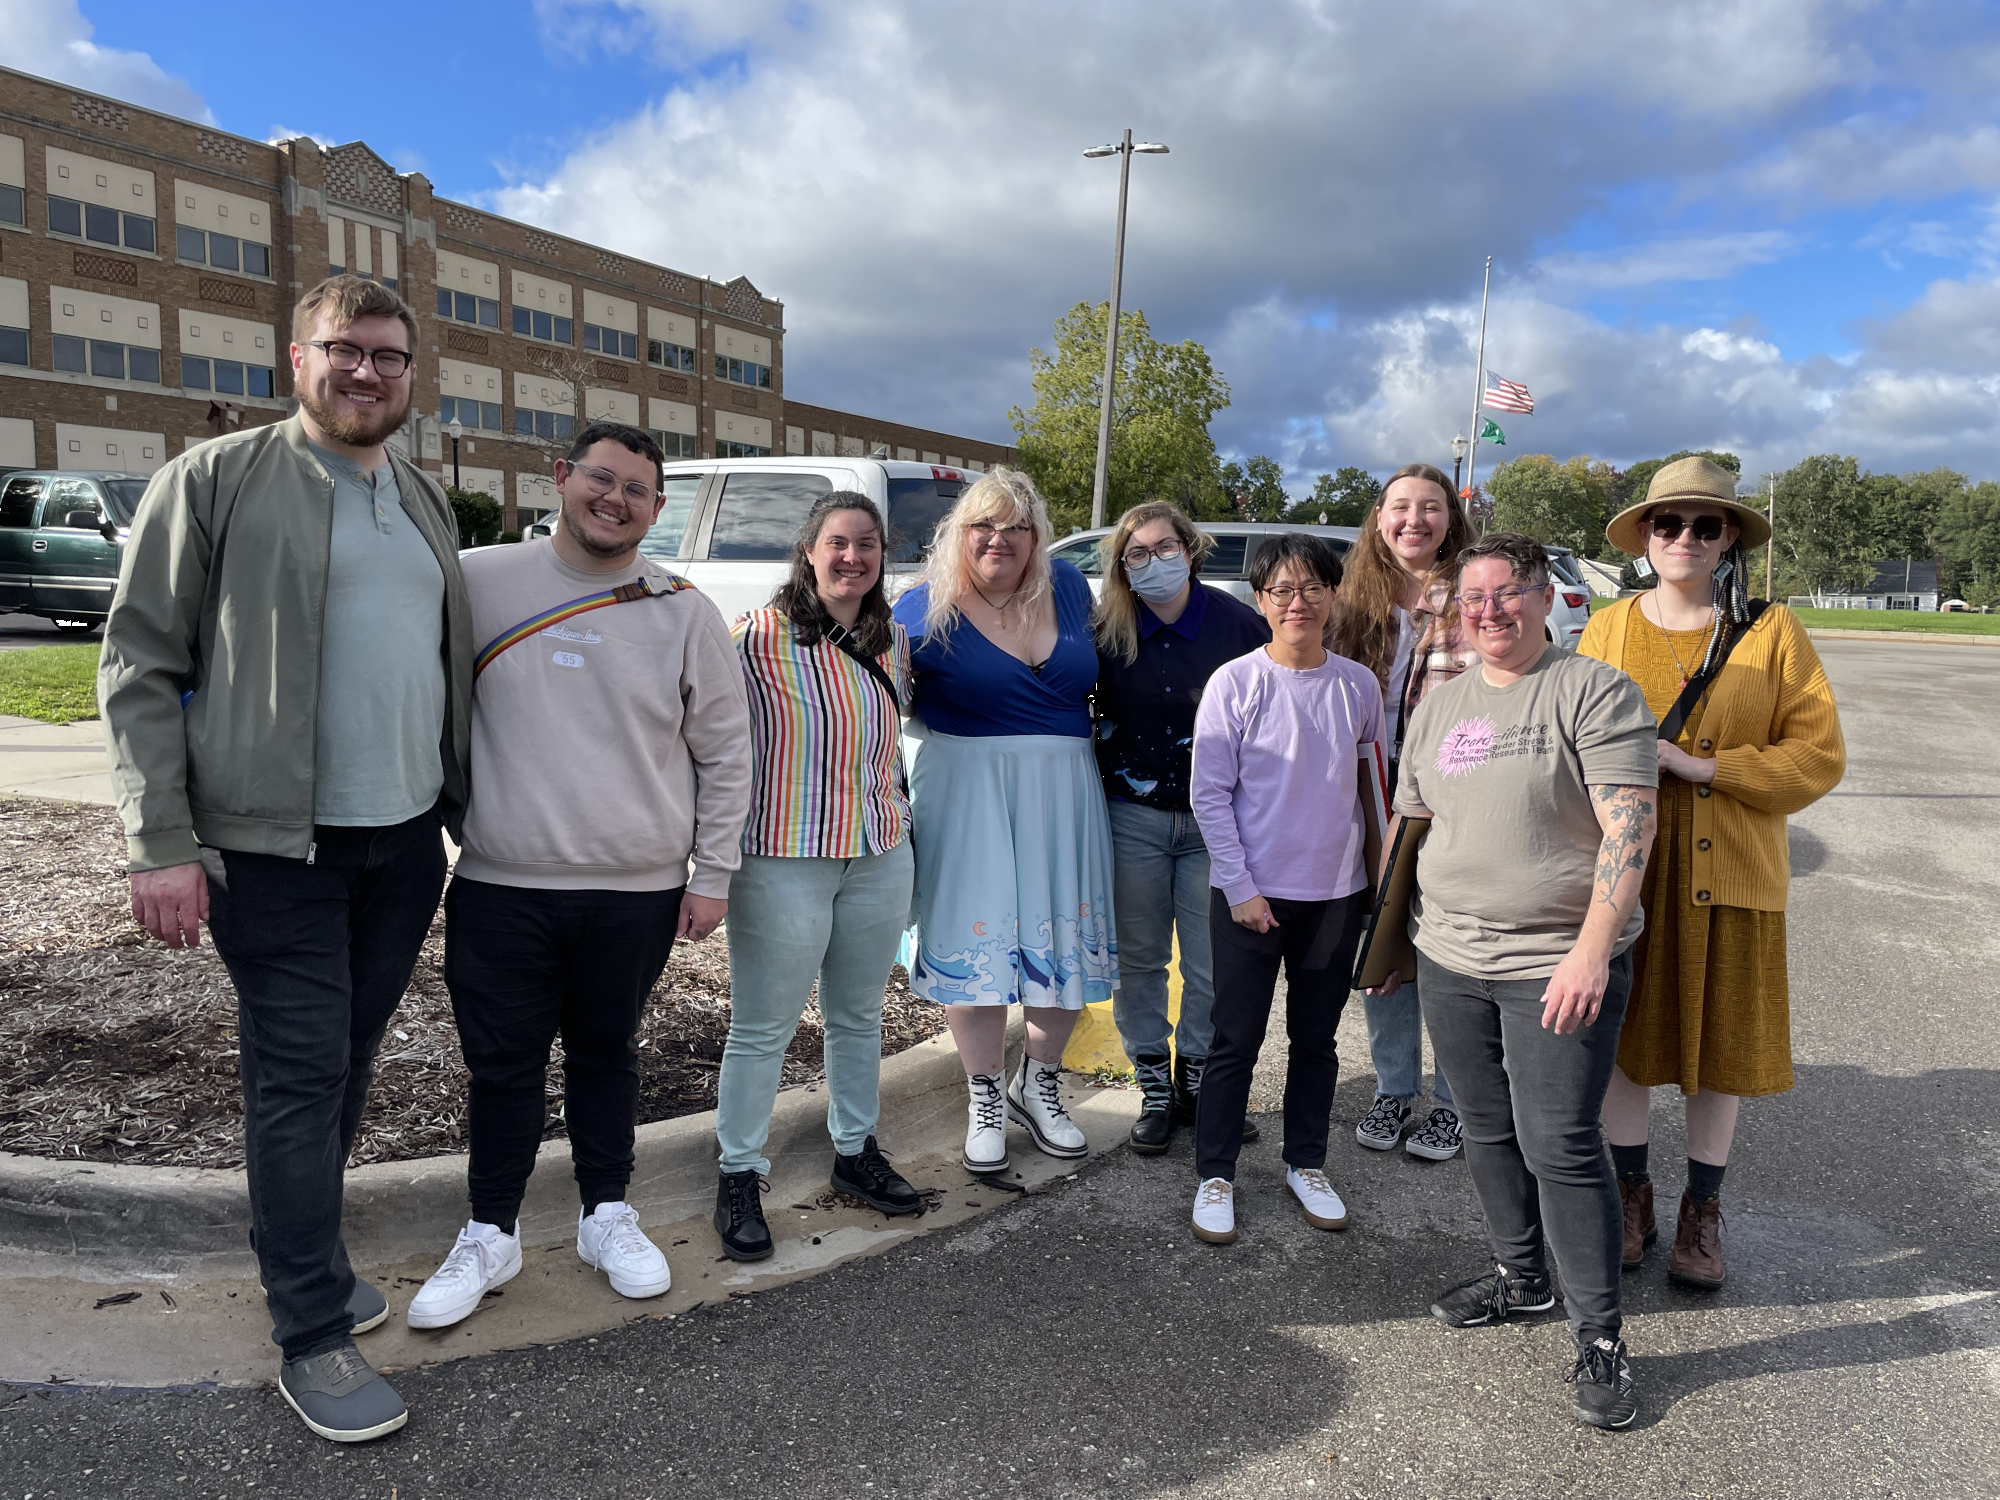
[1315,941]
[1532,1106]
[524,965]
[320,954]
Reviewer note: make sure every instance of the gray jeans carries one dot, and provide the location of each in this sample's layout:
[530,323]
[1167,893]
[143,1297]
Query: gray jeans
[1531,1103]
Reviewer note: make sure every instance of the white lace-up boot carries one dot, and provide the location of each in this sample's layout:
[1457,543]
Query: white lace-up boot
[1036,1101]
[481,1259]
[612,1241]
[986,1125]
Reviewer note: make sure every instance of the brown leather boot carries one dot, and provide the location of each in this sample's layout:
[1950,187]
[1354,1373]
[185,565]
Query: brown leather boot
[1640,1229]
[1697,1259]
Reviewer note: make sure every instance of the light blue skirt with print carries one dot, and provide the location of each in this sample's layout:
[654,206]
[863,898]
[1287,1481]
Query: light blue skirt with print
[1013,894]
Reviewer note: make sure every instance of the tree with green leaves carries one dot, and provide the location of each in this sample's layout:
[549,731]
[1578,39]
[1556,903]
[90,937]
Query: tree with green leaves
[1564,504]
[1165,397]
[1254,491]
[1825,531]
[478,516]
[1968,541]
[1342,497]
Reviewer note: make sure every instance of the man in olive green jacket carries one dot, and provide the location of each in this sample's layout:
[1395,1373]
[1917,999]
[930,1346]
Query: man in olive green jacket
[285,686]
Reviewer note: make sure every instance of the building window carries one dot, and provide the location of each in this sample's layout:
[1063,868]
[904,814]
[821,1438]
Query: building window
[611,341]
[225,252]
[13,346]
[549,426]
[742,372]
[103,359]
[226,377]
[740,450]
[540,325]
[463,307]
[669,356]
[99,225]
[13,206]
[470,413]
[676,444]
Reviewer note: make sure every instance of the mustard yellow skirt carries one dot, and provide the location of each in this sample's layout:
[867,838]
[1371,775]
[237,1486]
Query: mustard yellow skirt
[1711,1005]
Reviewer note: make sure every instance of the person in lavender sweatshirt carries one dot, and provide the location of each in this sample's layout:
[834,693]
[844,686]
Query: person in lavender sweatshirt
[1275,791]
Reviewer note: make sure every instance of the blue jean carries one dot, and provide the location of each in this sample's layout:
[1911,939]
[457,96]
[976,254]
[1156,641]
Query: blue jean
[1159,884]
[791,920]
[1396,1045]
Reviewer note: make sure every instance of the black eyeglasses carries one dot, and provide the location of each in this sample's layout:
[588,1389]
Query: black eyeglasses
[1666,526]
[1136,556]
[390,364]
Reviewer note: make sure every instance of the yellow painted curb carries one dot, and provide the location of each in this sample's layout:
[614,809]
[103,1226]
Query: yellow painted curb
[1095,1044]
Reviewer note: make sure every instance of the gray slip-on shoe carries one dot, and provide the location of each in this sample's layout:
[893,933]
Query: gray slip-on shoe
[339,1396]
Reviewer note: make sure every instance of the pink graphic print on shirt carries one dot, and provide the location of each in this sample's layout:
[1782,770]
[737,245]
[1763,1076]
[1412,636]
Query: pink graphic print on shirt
[1467,747]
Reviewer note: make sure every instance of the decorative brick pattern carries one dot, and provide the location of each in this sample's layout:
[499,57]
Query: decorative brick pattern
[544,244]
[463,219]
[464,343]
[605,369]
[105,268]
[97,112]
[672,385]
[228,293]
[743,400]
[611,265]
[743,300]
[222,148]
[677,284]
[356,175]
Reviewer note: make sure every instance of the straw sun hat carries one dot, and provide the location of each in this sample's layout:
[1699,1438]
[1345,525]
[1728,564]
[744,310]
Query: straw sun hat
[1687,479]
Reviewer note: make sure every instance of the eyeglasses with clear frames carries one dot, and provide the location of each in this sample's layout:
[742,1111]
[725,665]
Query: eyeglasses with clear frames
[603,481]
[986,531]
[1167,551]
[1284,593]
[1500,599]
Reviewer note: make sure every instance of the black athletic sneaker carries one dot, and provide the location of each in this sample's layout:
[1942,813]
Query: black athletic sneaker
[1603,1381]
[1493,1298]
[739,1216]
[868,1176]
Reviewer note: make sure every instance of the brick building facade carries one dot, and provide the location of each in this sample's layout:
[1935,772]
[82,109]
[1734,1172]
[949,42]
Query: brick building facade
[149,266]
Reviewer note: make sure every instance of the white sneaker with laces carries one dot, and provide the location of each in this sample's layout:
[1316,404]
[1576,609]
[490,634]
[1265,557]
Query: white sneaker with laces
[986,1124]
[1036,1101]
[481,1259]
[1215,1211]
[612,1241]
[1316,1196]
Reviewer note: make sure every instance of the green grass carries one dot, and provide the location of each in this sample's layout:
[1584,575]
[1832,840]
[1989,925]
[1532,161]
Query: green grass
[1899,620]
[52,683]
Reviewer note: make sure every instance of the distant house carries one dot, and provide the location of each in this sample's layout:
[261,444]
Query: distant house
[1899,583]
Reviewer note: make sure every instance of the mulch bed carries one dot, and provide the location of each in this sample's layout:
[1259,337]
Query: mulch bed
[115,1048]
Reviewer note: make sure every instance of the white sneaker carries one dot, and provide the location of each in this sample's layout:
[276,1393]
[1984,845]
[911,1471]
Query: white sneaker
[986,1125]
[612,1241]
[1316,1196]
[1036,1101]
[1215,1211]
[481,1259]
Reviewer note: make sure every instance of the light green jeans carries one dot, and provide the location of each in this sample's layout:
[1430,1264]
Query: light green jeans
[789,921]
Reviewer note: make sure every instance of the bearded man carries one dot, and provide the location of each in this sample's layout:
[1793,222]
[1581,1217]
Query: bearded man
[285,686]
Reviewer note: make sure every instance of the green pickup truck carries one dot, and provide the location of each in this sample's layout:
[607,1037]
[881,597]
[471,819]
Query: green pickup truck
[60,535]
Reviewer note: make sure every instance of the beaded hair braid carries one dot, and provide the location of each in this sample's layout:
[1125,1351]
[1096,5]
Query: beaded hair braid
[1732,603]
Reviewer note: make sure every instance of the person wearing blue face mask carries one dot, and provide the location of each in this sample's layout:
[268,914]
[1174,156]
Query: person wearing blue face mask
[1161,633]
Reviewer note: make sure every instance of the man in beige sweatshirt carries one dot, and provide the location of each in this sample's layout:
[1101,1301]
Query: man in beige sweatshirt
[611,764]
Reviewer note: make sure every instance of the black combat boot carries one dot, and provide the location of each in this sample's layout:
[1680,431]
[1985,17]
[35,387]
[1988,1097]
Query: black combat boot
[1153,1131]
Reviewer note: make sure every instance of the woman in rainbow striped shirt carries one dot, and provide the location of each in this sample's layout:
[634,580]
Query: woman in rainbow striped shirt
[824,889]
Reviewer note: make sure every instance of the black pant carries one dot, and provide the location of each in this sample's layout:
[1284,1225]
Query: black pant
[1532,1103]
[1315,942]
[522,965]
[320,954]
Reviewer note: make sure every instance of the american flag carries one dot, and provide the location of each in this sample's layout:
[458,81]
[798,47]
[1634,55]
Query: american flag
[1507,395]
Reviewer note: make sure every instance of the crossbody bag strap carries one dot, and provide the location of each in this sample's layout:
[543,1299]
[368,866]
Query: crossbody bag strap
[1676,719]
[837,633]
[625,593]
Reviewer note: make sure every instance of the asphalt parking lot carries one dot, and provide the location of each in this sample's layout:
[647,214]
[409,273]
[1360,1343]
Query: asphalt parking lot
[1082,1343]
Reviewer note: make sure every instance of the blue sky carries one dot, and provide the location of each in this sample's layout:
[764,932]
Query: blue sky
[1763,224]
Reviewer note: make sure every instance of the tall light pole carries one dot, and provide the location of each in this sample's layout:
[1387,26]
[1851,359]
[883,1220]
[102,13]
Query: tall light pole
[1458,447]
[1123,151]
[457,431]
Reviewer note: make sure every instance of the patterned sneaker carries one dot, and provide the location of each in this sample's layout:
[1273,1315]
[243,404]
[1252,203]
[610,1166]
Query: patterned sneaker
[1382,1126]
[1438,1139]
[1493,1298]
[1603,1380]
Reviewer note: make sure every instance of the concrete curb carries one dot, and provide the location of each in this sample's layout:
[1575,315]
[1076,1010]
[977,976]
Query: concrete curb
[93,1218]
[1911,637]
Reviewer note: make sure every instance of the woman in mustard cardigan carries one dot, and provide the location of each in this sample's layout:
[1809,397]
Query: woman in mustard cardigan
[1710,1007]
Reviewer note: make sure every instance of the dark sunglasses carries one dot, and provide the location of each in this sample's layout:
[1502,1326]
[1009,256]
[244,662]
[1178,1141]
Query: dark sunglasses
[1666,526]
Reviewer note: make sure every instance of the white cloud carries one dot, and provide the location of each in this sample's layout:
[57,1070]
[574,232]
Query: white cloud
[1711,257]
[52,38]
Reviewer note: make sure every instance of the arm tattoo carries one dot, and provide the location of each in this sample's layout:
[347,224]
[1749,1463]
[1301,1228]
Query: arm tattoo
[1625,813]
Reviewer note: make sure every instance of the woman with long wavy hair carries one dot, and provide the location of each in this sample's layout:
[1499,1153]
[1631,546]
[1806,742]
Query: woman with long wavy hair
[1013,899]
[1395,618]
[1161,634]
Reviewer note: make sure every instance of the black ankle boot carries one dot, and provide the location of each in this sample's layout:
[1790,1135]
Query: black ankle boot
[868,1176]
[1153,1131]
[1187,1095]
[739,1216]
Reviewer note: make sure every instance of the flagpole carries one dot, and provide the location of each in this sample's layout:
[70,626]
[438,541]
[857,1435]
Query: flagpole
[1479,380]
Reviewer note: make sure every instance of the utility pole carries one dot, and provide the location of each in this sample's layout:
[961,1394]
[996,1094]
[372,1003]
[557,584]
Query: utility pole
[1123,151]
[1771,547]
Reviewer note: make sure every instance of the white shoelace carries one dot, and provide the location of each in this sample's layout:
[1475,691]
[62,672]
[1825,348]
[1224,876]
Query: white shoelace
[467,1261]
[624,1236]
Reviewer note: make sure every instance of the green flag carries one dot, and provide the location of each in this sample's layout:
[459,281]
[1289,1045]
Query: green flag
[1491,433]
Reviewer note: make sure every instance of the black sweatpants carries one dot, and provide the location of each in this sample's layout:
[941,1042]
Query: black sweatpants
[1314,940]
[523,965]
[320,954]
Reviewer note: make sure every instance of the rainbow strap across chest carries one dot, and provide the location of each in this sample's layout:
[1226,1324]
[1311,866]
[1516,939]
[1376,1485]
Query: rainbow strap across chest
[639,588]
